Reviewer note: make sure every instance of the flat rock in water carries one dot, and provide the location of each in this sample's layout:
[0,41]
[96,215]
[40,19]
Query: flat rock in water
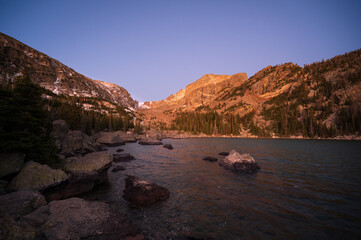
[37,177]
[10,164]
[169,146]
[149,141]
[86,173]
[210,159]
[142,193]
[124,157]
[75,218]
[120,150]
[20,203]
[244,163]
[118,168]
[223,153]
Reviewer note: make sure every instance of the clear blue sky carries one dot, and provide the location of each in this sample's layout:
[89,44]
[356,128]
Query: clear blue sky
[155,48]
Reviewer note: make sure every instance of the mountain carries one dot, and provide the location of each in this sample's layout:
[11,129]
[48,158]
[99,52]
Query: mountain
[322,99]
[18,59]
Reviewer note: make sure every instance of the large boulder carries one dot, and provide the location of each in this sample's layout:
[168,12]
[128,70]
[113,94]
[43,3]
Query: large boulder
[244,163]
[60,130]
[109,139]
[77,143]
[85,173]
[37,177]
[10,164]
[76,219]
[20,203]
[126,136]
[142,193]
[149,141]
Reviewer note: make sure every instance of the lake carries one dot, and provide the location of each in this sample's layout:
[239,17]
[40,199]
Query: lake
[306,189]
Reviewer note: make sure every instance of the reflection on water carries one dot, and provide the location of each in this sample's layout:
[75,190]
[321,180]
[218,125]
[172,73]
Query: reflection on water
[306,189]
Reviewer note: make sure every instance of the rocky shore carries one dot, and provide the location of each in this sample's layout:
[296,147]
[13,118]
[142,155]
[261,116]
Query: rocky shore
[38,201]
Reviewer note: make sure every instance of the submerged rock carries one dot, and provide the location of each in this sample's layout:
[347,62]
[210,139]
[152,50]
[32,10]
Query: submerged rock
[20,203]
[223,153]
[77,143]
[169,146]
[35,176]
[75,218]
[85,174]
[10,164]
[149,141]
[244,163]
[124,157]
[143,193]
[109,139]
[118,168]
[210,159]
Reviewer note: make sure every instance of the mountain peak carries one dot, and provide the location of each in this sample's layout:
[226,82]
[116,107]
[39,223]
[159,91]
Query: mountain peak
[18,59]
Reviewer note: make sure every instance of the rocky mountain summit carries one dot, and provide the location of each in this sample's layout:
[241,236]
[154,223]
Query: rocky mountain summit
[18,59]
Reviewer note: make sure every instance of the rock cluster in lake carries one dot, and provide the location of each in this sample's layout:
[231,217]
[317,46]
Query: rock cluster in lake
[244,163]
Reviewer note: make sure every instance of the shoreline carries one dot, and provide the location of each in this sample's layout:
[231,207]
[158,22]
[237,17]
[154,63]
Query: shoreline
[343,138]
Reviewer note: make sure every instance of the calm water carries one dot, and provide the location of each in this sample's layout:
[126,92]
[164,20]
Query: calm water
[306,189]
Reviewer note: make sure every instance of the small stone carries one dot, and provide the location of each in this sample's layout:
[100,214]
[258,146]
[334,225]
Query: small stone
[223,153]
[120,150]
[210,159]
[169,146]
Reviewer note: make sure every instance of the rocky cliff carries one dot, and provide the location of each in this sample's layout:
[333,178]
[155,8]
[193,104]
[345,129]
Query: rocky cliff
[17,59]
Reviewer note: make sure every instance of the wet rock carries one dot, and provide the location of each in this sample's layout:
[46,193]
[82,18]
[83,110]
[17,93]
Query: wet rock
[109,139]
[60,130]
[85,173]
[35,176]
[169,146]
[244,163]
[77,143]
[120,150]
[118,168]
[20,203]
[143,193]
[210,159]
[223,153]
[149,141]
[75,218]
[10,164]
[3,186]
[124,157]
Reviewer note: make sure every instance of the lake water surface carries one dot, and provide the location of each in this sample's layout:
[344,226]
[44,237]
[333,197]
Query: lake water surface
[306,189]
